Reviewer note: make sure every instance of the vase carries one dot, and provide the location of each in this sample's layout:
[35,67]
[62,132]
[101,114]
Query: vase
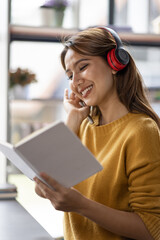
[58,18]
[19,92]
[47,16]
[51,17]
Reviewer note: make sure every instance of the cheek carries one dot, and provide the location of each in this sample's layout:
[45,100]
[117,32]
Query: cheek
[96,73]
[89,74]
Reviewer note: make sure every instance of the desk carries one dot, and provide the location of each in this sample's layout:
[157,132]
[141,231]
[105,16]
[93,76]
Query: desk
[17,224]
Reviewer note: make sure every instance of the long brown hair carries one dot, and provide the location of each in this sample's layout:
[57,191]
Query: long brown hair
[129,82]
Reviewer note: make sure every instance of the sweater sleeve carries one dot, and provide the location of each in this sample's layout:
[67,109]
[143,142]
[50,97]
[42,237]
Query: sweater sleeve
[143,171]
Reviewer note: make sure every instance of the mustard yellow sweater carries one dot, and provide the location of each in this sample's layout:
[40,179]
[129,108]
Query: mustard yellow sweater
[129,150]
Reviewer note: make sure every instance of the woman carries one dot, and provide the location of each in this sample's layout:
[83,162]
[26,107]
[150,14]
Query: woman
[123,200]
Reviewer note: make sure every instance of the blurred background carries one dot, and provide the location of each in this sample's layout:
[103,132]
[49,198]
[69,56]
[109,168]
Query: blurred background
[31,95]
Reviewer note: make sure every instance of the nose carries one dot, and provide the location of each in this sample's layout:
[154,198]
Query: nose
[76,79]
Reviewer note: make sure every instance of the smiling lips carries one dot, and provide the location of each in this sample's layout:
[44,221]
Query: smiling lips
[85,92]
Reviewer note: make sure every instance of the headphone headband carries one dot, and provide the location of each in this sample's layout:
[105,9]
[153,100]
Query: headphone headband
[114,35]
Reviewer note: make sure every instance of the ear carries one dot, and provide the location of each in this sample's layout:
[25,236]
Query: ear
[114,72]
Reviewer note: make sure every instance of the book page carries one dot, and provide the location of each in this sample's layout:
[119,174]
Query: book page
[56,151]
[34,134]
[60,153]
[8,150]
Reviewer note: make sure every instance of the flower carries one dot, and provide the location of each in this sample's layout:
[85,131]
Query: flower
[21,77]
[59,5]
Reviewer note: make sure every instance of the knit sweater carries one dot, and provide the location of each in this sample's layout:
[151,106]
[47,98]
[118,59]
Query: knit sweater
[129,151]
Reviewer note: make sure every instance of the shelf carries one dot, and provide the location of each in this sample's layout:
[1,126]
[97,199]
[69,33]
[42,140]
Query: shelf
[149,40]
[38,34]
[49,34]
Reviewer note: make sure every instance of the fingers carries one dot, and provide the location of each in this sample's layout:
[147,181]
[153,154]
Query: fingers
[71,97]
[38,191]
[55,193]
[43,190]
[40,188]
[66,94]
[53,183]
[63,199]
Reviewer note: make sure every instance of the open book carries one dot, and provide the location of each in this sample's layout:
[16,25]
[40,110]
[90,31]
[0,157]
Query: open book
[56,150]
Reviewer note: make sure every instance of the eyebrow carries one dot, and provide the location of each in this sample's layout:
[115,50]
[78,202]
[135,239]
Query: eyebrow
[77,62]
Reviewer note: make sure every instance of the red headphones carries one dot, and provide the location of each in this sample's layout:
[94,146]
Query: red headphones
[117,58]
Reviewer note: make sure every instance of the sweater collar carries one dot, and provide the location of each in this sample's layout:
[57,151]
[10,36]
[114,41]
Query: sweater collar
[112,125]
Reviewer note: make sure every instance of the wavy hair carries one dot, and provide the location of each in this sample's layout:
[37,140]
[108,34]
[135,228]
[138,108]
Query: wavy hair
[129,82]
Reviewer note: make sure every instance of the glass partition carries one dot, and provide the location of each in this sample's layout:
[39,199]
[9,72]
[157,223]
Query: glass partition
[141,16]
[43,102]
[147,60]
[78,13]
[43,59]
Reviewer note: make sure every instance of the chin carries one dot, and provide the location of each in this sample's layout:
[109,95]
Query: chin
[89,103]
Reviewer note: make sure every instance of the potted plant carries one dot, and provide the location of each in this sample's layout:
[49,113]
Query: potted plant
[56,14]
[19,79]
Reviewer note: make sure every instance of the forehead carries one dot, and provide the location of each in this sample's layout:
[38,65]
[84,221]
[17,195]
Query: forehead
[72,57]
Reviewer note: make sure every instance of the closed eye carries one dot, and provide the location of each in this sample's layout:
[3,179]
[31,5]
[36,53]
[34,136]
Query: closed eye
[69,77]
[83,67]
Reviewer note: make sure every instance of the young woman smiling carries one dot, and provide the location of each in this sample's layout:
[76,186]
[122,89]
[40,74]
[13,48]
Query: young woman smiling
[121,201]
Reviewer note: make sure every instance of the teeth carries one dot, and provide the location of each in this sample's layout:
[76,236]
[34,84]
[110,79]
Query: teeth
[86,90]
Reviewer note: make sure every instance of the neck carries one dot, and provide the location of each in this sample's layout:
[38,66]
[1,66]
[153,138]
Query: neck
[112,112]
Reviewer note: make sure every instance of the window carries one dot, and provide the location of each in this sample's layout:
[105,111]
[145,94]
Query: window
[141,16]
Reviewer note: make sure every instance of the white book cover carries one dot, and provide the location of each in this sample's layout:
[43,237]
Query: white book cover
[56,150]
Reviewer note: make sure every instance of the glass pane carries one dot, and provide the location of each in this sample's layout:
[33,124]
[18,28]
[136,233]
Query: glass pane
[154,16]
[30,13]
[43,59]
[43,103]
[93,12]
[25,12]
[147,60]
[140,15]
[78,14]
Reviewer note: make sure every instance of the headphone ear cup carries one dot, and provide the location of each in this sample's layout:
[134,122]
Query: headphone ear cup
[113,61]
[122,55]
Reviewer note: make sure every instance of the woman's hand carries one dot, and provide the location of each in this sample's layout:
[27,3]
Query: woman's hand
[62,198]
[76,113]
[127,224]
